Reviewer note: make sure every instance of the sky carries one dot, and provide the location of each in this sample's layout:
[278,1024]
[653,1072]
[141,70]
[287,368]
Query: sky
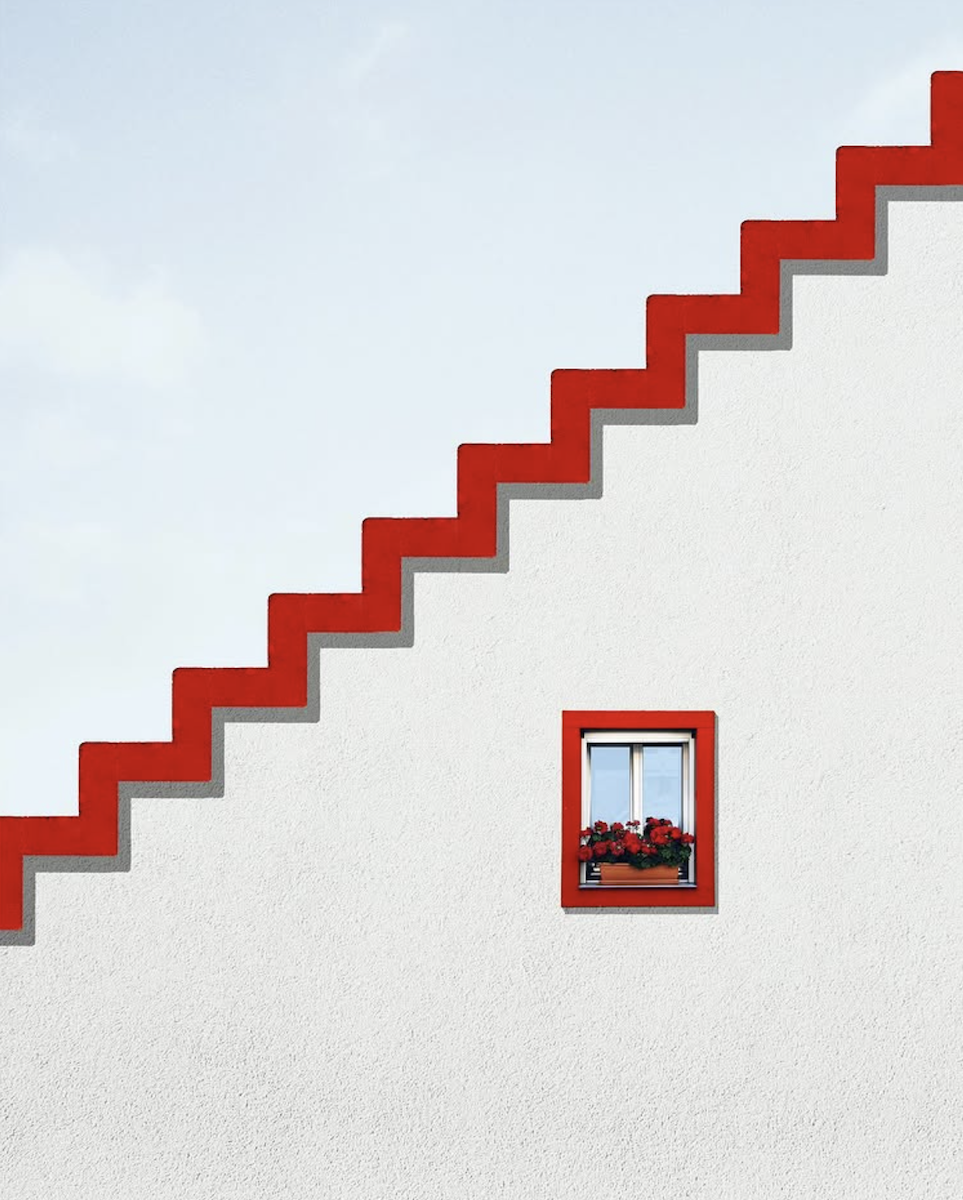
[263,267]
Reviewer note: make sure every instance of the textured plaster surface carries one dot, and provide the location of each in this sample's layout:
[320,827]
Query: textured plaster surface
[351,977]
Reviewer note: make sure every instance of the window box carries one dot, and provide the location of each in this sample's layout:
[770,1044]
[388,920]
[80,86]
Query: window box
[623,768]
[625,875]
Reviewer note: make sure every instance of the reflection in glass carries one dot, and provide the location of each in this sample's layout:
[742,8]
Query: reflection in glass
[610,769]
[662,782]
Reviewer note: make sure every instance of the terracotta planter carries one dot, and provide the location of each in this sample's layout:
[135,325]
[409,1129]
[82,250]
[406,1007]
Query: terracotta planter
[624,875]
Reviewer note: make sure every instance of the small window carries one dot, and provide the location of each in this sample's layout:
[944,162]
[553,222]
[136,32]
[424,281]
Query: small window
[637,809]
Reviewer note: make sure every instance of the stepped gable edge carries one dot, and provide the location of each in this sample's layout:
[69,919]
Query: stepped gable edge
[377,608]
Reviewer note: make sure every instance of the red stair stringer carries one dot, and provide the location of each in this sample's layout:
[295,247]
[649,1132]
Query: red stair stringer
[565,459]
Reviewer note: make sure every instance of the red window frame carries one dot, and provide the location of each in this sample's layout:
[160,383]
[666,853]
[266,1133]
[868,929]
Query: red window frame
[702,725]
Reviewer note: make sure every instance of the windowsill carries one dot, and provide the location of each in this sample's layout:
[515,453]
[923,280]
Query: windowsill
[634,887]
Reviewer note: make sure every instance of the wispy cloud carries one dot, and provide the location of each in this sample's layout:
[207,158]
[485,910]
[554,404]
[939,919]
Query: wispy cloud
[365,62]
[896,107]
[23,137]
[363,108]
[58,439]
[55,561]
[65,316]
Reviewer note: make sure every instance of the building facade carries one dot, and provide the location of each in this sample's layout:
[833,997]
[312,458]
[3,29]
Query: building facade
[343,966]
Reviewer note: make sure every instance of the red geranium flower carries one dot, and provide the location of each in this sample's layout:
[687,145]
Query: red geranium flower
[600,849]
[618,849]
[676,833]
[585,853]
[688,838]
[617,825]
[601,827]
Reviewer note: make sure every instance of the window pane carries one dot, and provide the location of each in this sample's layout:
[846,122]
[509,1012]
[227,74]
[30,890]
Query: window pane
[662,782]
[610,768]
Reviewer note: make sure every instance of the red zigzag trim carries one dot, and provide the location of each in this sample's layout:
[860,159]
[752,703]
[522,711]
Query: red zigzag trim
[565,459]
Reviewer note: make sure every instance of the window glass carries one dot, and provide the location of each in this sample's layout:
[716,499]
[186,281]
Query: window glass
[610,768]
[662,783]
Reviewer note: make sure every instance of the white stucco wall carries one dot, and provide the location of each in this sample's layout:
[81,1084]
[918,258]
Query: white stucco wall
[258,1010]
